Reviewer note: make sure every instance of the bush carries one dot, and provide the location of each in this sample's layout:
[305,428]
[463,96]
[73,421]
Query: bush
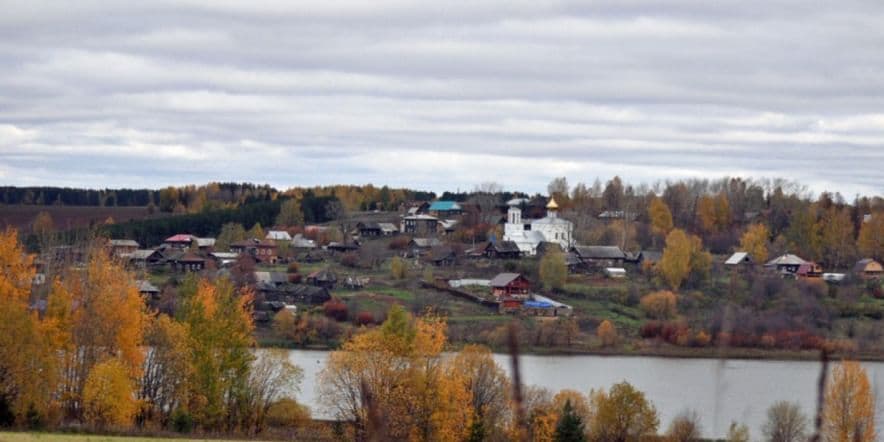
[398,268]
[349,259]
[336,309]
[660,305]
[293,267]
[607,333]
[182,421]
[287,412]
[108,395]
[364,318]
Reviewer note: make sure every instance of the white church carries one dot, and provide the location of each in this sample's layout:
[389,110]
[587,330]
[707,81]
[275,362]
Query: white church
[528,234]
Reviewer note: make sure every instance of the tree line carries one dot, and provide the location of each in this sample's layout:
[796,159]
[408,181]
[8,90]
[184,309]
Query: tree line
[88,350]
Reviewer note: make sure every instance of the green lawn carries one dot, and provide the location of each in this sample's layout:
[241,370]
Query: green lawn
[55,437]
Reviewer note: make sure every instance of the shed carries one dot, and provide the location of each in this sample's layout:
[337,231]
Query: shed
[600,256]
[278,235]
[787,263]
[739,259]
[323,278]
[615,272]
[868,268]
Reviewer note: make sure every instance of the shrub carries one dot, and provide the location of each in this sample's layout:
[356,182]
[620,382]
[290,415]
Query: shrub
[293,267]
[660,305]
[182,421]
[349,259]
[398,268]
[336,309]
[607,333]
[399,243]
[108,395]
[287,412]
[364,318]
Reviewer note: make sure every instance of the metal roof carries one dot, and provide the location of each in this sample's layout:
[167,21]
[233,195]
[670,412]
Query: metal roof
[444,206]
[738,258]
[502,279]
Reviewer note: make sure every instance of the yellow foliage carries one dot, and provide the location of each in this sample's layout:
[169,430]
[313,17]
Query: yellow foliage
[683,255]
[660,305]
[871,237]
[398,268]
[607,333]
[553,270]
[661,217]
[108,395]
[849,413]
[754,242]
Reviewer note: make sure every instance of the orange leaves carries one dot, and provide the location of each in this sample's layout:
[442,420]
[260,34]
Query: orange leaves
[754,242]
[606,333]
[16,269]
[108,396]
[660,305]
[850,405]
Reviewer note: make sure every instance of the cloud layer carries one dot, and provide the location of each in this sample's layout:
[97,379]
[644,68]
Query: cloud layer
[440,96]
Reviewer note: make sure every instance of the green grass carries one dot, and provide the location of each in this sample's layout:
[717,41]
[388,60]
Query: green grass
[56,437]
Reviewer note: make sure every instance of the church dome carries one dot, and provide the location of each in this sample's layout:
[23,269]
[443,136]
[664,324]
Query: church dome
[552,205]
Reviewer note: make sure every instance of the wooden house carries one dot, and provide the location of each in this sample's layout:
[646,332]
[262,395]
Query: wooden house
[262,250]
[445,208]
[443,255]
[739,260]
[507,285]
[502,250]
[368,229]
[323,278]
[424,225]
[122,247]
[145,258]
[868,269]
[187,262]
[809,269]
[787,263]
[600,256]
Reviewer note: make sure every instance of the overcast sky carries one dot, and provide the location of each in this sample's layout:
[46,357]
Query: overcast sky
[440,95]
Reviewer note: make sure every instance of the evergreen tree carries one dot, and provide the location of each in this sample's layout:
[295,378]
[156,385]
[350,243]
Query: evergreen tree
[570,427]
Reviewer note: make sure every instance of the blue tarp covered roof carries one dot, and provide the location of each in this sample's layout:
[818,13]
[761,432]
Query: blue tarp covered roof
[537,304]
[444,205]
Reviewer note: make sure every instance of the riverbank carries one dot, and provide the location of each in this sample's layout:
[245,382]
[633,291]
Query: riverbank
[660,351]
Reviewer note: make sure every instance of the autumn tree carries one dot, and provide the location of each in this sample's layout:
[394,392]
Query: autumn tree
[272,377]
[684,428]
[607,333]
[553,270]
[230,233]
[622,414]
[167,368]
[290,213]
[803,234]
[714,212]
[785,423]
[675,264]
[849,413]
[107,321]
[836,237]
[256,232]
[487,384]
[660,216]
[392,382]
[218,320]
[754,242]
[660,305]
[683,256]
[398,268]
[871,237]
[109,395]
[29,367]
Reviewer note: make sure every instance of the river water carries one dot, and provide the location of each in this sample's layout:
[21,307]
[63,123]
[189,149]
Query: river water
[718,391]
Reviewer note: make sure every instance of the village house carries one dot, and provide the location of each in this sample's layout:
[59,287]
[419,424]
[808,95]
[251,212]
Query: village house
[121,247]
[868,269]
[187,262]
[278,235]
[341,247]
[739,260]
[423,225]
[367,229]
[262,250]
[186,241]
[445,208]
[528,234]
[510,285]
[420,246]
[442,255]
[147,290]
[787,263]
[501,250]
[224,259]
[447,226]
[809,269]
[144,258]
[323,278]
[600,256]
[415,208]
[302,243]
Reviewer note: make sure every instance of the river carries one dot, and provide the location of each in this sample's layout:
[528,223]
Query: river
[719,391]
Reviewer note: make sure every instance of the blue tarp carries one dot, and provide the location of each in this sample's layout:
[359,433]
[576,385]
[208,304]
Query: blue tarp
[538,304]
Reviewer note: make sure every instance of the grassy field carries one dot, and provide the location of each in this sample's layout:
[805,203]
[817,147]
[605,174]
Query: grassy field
[56,437]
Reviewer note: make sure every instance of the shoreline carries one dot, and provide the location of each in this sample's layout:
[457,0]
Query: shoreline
[730,353]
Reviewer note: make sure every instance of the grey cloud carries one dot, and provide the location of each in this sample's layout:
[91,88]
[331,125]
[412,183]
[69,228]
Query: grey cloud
[441,95]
